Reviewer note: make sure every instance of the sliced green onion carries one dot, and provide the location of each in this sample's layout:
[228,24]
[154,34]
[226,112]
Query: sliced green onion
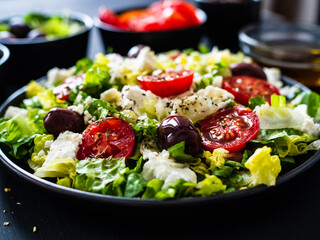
[278,100]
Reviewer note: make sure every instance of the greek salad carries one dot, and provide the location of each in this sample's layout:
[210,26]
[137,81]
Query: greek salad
[179,124]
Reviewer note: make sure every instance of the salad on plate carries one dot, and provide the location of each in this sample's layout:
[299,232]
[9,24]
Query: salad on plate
[172,125]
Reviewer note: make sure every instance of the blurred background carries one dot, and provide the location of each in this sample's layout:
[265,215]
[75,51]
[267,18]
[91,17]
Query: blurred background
[225,19]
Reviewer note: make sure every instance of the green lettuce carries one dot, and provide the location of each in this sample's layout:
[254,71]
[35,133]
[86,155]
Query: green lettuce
[18,134]
[36,116]
[256,101]
[287,142]
[48,100]
[177,152]
[83,65]
[135,185]
[211,185]
[58,168]
[97,77]
[95,175]
[99,108]
[176,190]
[312,100]
[40,152]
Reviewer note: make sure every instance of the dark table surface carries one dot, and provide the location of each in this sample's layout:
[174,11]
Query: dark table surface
[288,211]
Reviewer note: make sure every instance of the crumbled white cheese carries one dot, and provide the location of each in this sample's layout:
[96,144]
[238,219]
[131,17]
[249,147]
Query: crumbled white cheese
[308,125]
[78,109]
[289,91]
[161,166]
[14,111]
[145,61]
[56,74]
[196,106]
[88,100]
[64,147]
[273,76]
[88,118]
[111,95]
[133,97]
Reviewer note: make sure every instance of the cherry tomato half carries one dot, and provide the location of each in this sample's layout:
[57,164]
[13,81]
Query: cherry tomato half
[167,84]
[230,128]
[63,90]
[244,87]
[108,137]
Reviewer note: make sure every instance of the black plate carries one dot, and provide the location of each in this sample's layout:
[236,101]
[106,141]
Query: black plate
[142,206]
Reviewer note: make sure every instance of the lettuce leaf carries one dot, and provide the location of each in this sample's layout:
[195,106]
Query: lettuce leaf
[18,134]
[83,65]
[312,100]
[40,152]
[135,185]
[48,100]
[264,167]
[97,77]
[99,108]
[211,185]
[95,175]
[287,142]
[58,168]
[177,152]
[152,188]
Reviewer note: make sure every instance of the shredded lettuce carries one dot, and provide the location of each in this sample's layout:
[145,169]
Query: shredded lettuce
[58,168]
[99,108]
[177,152]
[33,88]
[83,65]
[211,185]
[97,77]
[263,167]
[312,101]
[287,142]
[96,174]
[48,100]
[18,134]
[40,151]
[256,101]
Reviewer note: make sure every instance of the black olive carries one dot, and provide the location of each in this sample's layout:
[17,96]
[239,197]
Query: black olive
[175,129]
[247,69]
[135,50]
[59,120]
[19,28]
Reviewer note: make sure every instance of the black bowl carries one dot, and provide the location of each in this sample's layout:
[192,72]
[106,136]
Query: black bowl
[150,207]
[32,59]
[226,18]
[120,41]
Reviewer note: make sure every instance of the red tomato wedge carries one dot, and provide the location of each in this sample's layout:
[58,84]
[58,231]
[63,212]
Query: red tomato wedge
[244,87]
[230,128]
[63,90]
[108,137]
[167,84]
